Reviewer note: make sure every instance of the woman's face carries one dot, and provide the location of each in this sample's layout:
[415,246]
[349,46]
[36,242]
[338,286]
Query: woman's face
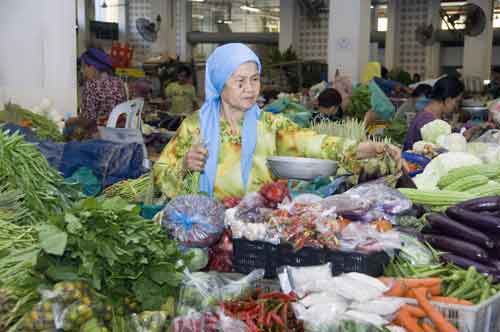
[451,104]
[243,87]
[89,72]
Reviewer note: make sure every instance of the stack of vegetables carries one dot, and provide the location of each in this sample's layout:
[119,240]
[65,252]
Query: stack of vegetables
[458,185]
[24,169]
[469,234]
[43,127]
[122,257]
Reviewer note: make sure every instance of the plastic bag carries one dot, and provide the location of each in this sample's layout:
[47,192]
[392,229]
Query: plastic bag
[194,220]
[249,230]
[365,238]
[69,306]
[382,197]
[491,136]
[207,322]
[381,105]
[300,276]
[253,209]
[87,179]
[201,291]
[149,321]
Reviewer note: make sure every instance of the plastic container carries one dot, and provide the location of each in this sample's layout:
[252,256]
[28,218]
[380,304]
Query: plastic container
[484,317]
[250,255]
[416,159]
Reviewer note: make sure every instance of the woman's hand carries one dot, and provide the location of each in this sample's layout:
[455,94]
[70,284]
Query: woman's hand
[371,150]
[195,159]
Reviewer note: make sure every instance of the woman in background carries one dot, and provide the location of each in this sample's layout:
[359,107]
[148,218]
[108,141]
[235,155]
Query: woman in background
[101,90]
[444,99]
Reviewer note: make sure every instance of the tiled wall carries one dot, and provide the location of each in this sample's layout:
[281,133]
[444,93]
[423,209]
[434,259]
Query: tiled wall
[313,37]
[412,54]
[138,9]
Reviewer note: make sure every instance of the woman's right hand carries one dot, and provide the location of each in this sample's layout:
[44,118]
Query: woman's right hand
[195,158]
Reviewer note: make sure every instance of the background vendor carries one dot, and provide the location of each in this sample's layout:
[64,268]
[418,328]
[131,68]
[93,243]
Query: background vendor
[329,101]
[101,91]
[181,93]
[230,138]
[444,99]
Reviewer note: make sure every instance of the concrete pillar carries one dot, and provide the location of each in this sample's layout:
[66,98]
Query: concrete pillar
[184,26]
[166,41]
[478,50]
[348,37]
[392,35]
[432,53]
[289,29]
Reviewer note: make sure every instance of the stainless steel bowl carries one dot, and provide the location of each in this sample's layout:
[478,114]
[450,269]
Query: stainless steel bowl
[301,168]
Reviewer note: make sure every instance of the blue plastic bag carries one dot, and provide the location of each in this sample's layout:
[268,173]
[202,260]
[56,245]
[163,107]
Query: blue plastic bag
[89,182]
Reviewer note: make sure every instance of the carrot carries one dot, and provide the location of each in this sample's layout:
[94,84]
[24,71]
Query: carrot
[435,290]
[414,311]
[405,320]
[428,327]
[397,289]
[450,300]
[440,322]
[422,282]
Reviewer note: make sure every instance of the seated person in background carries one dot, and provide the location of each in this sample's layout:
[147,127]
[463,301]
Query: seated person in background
[416,78]
[181,93]
[329,102]
[444,99]
[101,90]
[494,86]
[416,102]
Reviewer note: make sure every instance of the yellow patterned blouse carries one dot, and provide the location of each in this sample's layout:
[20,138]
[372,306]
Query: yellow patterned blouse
[276,135]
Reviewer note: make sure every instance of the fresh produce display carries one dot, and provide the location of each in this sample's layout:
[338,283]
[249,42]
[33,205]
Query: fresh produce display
[202,291]
[360,102]
[350,128]
[396,131]
[23,168]
[10,206]
[134,190]
[265,312]
[194,220]
[456,281]
[43,127]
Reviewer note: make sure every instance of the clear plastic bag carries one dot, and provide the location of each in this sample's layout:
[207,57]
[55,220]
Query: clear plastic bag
[149,321]
[207,321]
[365,238]
[382,197]
[253,209]
[69,306]
[201,291]
[492,136]
[194,220]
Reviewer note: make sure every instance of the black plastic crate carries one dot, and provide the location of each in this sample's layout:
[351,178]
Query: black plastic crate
[306,256]
[252,255]
[368,263]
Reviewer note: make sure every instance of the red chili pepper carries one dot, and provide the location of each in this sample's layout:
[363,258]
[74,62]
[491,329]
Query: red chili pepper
[284,314]
[277,319]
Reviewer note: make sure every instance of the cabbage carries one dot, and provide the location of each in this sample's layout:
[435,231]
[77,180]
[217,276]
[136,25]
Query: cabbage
[453,142]
[432,130]
[199,259]
[441,165]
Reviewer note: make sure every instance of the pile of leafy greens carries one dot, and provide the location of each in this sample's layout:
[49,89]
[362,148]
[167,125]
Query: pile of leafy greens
[109,245]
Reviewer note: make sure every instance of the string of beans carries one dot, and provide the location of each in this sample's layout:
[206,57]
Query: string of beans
[25,169]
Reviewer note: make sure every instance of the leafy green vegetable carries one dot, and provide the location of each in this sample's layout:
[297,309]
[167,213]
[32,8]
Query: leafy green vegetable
[24,169]
[360,102]
[396,131]
[432,130]
[114,249]
[42,126]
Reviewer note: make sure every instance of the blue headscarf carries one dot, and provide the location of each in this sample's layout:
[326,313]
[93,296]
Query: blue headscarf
[221,64]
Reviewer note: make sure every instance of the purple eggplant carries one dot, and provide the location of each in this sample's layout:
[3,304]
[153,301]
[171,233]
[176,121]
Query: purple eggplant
[459,247]
[491,203]
[451,227]
[466,263]
[474,219]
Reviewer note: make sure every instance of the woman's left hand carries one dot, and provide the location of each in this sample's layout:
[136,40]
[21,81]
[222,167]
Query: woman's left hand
[368,150]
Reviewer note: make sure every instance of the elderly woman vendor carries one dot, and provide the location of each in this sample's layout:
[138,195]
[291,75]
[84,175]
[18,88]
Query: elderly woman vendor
[222,149]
